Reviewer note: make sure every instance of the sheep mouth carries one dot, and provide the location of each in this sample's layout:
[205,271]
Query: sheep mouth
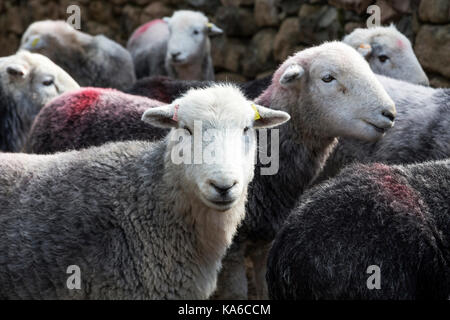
[222,205]
[377,128]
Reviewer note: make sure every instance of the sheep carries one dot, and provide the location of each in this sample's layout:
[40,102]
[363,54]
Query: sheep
[136,222]
[77,120]
[420,133]
[91,60]
[27,82]
[309,86]
[394,218]
[177,46]
[166,89]
[388,52]
[91,117]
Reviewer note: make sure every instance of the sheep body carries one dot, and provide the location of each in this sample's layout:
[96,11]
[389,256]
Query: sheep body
[166,89]
[138,225]
[91,117]
[27,82]
[396,218]
[177,46]
[91,60]
[420,132]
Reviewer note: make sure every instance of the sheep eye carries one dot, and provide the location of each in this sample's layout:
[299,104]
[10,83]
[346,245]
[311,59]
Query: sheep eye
[196,32]
[246,130]
[328,78]
[48,82]
[188,130]
[383,58]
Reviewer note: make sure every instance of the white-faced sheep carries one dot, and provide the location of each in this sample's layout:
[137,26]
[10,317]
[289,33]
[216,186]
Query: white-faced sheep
[373,232]
[388,52]
[178,46]
[420,133]
[138,223]
[310,85]
[91,60]
[27,82]
[91,117]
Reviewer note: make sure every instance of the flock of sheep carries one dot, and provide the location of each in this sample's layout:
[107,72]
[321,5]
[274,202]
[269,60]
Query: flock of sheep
[87,176]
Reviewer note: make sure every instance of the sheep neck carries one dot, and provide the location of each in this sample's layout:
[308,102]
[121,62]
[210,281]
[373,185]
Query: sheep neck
[199,233]
[303,151]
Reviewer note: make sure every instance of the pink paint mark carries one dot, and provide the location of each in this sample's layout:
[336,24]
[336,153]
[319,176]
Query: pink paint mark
[84,100]
[395,190]
[175,114]
[400,44]
[139,31]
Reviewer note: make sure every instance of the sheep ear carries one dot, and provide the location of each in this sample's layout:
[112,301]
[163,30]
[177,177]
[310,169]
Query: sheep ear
[364,49]
[17,71]
[33,43]
[166,19]
[162,117]
[291,74]
[267,118]
[213,29]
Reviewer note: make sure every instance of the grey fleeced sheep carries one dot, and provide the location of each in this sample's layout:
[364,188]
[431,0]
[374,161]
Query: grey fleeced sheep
[91,60]
[388,52]
[178,46]
[138,223]
[373,232]
[27,82]
[420,132]
[309,85]
[91,117]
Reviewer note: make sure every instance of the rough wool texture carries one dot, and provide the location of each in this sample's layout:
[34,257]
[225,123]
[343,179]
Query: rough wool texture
[397,218]
[91,60]
[27,82]
[388,52]
[122,212]
[420,132]
[91,117]
[166,89]
[305,143]
[152,44]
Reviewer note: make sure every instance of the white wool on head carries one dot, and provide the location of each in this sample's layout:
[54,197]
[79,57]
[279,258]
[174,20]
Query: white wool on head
[388,52]
[220,119]
[332,89]
[35,76]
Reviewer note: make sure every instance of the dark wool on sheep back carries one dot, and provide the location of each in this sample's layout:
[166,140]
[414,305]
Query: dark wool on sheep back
[166,89]
[91,117]
[421,131]
[396,218]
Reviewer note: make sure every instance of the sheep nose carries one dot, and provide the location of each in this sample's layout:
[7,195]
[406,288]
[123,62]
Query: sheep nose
[388,114]
[222,189]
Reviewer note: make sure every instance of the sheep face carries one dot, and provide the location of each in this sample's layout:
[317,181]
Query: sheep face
[338,93]
[188,41]
[28,81]
[389,53]
[214,133]
[50,38]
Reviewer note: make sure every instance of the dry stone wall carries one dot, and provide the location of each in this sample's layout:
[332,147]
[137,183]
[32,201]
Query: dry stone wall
[259,34]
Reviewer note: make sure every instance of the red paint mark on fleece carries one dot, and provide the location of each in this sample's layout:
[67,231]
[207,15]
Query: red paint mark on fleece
[397,192]
[144,28]
[85,99]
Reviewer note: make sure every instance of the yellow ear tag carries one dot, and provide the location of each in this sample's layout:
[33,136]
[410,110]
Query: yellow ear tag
[257,116]
[35,42]
[209,25]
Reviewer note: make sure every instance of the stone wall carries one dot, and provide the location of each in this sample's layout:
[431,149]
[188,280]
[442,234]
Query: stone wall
[259,33]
